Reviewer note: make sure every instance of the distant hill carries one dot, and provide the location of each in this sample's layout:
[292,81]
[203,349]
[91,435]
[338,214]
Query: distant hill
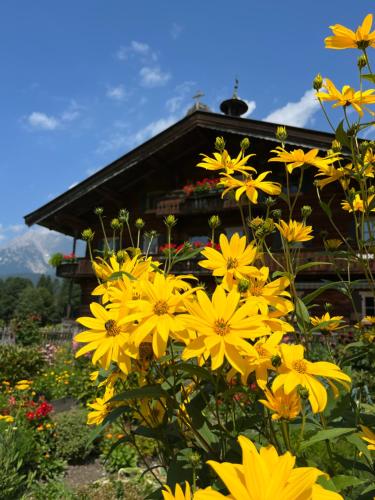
[27,255]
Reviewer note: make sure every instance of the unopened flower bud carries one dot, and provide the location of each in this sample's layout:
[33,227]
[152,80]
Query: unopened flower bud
[302,392]
[121,256]
[281,134]
[276,361]
[245,144]
[269,225]
[243,285]
[87,234]
[364,146]
[98,211]
[328,306]
[170,221]
[306,211]
[123,215]
[139,223]
[336,146]
[371,189]
[270,201]
[220,144]
[115,224]
[214,221]
[276,214]
[195,459]
[255,223]
[318,82]
[361,62]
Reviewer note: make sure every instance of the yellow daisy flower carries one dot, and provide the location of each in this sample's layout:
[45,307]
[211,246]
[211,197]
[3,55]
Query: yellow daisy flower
[265,475]
[298,158]
[7,418]
[110,336]
[178,493]
[347,97]
[249,186]
[326,322]
[233,261]
[358,205]
[294,232]
[333,174]
[345,38]
[369,436]
[222,326]
[101,408]
[295,371]
[284,406]
[223,161]
[23,385]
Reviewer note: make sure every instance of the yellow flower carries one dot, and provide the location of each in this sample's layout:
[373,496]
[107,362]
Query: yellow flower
[369,436]
[101,408]
[344,38]
[233,261]
[332,244]
[265,475]
[152,412]
[295,371]
[222,161]
[358,205]
[347,97]
[326,323]
[287,406]
[249,186]
[298,158]
[178,493]
[333,174]
[272,294]
[110,336]
[222,326]
[294,231]
[7,418]
[23,385]
[157,313]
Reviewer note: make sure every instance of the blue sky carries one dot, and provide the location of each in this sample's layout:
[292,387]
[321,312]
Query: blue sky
[82,82]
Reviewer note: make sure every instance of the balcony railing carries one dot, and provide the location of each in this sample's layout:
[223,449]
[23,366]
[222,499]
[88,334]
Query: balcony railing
[82,268]
[179,204]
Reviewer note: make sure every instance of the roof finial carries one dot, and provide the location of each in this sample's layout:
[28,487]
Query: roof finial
[235,90]
[197,97]
[198,105]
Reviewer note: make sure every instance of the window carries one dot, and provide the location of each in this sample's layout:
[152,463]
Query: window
[369,230]
[368,304]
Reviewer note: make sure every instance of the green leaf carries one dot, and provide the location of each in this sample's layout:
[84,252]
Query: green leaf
[342,481]
[285,274]
[195,370]
[341,135]
[307,299]
[327,434]
[326,208]
[302,313]
[360,445]
[189,254]
[147,391]
[119,274]
[370,77]
[312,264]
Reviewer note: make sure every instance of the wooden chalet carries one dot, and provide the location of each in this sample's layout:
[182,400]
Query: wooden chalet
[148,181]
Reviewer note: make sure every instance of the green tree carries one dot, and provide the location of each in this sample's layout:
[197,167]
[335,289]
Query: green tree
[10,291]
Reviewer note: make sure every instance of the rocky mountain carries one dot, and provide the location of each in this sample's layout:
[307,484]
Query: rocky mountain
[28,254]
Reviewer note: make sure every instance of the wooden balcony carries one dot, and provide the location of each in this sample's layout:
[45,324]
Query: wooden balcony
[178,203]
[75,270]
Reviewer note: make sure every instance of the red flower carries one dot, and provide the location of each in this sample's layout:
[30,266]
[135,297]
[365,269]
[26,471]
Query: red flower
[30,415]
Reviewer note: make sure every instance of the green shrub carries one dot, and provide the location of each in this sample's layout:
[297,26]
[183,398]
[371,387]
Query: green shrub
[19,363]
[72,436]
[56,259]
[27,332]
[50,490]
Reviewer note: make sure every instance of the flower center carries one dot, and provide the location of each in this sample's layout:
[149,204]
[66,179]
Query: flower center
[221,327]
[261,350]
[160,307]
[232,263]
[112,328]
[300,366]
[255,289]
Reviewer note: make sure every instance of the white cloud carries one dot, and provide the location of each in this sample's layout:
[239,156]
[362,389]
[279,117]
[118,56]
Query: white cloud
[297,114]
[41,121]
[174,104]
[139,47]
[175,31]
[117,93]
[182,90]
[16,228]
[153,77]
[251,107]
[152,129]
[136,50]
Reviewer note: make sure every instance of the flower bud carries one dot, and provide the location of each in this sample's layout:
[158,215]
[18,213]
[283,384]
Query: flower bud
[123,215]
[170,220]
[306,211]
[98,211]
[255,222]
[121,256]
[336,146]
[220,144]
[195,459]
[276,361]
[328,306]
[364,146]
[139,223]
[270,201]
[243,285]
[115,224]
[269,225]
[361,62]
[277,214]
[318,82]
[245,144]
[214,221]
[281,134]
[87,234]
[371,189]
[302,392]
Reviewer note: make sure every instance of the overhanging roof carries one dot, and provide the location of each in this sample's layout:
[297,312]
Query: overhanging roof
[160,148]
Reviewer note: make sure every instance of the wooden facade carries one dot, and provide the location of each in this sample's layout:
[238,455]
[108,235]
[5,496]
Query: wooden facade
[148,181]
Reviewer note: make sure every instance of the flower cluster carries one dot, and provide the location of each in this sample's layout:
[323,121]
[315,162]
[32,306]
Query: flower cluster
[203,186]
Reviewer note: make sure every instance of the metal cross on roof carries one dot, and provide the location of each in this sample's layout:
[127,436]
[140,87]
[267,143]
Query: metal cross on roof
[197,96]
